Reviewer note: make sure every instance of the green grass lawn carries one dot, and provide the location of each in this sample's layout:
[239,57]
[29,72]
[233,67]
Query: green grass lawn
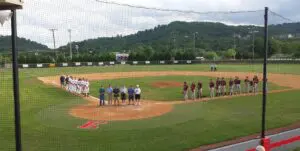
[151,92]
[46,125]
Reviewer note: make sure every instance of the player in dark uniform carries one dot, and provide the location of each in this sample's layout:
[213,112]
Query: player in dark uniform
[212,88]
[200,90]
[255,82]
[116,92]
[62,81]
[131,95]
[193,91]
[185,91]
[251,86]
[223,86]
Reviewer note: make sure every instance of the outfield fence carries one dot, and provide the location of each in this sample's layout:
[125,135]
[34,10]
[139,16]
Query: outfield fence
[161,62]
[278,142]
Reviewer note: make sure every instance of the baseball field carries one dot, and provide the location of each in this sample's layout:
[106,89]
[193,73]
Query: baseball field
[53,119]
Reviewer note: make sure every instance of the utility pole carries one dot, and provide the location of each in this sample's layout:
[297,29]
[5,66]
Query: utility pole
[53,35]
[70,43]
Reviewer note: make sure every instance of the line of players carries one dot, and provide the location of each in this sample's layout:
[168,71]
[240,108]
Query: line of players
[113,94]
[80,86]
[218,88]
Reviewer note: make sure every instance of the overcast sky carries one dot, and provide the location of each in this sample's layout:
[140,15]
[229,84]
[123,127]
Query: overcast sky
[91,19]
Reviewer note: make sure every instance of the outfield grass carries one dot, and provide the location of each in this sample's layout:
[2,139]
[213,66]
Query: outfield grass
[151,92]
[46,126]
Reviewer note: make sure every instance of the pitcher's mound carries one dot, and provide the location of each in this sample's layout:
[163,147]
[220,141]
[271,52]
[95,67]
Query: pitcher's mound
[166,84]
[117,113]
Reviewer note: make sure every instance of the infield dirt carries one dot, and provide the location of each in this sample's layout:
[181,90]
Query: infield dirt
[151,108]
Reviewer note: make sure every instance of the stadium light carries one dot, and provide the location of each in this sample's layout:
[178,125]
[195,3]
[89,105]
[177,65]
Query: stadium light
[13,5]
[253,32]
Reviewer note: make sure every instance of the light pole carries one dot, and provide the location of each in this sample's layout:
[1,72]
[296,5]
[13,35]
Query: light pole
[252,31]
[77,47]
[70,43]
[53,36]
[195,33]
[234,45]
[186,37]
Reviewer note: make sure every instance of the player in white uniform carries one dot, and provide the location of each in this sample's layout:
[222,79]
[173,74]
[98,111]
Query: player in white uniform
[70,84]
[86,88]
[138,92]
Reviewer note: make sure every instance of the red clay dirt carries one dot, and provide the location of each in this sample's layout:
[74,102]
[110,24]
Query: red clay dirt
[151,108]
[166,84]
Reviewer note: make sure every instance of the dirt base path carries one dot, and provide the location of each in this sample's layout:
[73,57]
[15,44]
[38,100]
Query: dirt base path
[153,108]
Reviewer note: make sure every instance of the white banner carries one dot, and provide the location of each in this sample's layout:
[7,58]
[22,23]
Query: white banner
[175,61]
[89,63]
[39,65]
[123,62]
[100,63]
[77,63]
[189,62]
[135,62]
[147,62]
[112,63]
[25,65]
[162,62]
[65,64]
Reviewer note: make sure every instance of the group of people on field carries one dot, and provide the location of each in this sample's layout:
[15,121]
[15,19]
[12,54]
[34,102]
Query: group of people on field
[132,94]
[219,87]
[75,85]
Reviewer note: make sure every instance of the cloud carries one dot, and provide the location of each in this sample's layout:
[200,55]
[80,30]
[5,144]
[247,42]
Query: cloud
[91,19]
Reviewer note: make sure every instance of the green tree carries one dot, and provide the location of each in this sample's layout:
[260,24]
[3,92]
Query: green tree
[230,53]
[211,55]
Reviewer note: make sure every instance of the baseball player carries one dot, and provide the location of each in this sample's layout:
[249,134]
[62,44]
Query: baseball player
[138,93]
[251,86]
[247,84]
[71,85]
[237,83]
[185,91]
[123,94]
[211,67]
[67,82]
[62,81]
[87,88]
[200,90]
[255,82]
[109,92]
[116,92]
[231,86]
[218,87]
[212,88]
[131,95]
[215,67]
[102,96]
[223,86]
[79,86]
[193,93]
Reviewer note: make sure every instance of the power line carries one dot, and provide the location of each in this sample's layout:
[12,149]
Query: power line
[177,10]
